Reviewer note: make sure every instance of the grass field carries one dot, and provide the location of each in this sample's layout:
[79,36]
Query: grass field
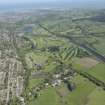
[98,71]
[100,47]
[97,97]
[80,94]
[47,97]
[62,96]
[35,82]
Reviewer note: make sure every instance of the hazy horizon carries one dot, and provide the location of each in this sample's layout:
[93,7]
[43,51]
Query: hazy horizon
[6,4]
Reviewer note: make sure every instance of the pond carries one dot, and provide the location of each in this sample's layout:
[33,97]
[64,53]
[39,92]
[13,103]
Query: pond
[28,29]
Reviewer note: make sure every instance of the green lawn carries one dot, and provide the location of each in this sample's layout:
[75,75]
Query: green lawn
[98,71]
[80,94]
[34,82]
[101,46]
[47,97]
[97,97]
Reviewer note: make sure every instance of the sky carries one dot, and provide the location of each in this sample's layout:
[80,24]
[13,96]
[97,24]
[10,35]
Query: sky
[57,3]
[40,1]
[24,1]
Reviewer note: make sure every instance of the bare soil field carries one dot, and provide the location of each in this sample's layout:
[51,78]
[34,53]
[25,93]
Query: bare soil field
[88,62]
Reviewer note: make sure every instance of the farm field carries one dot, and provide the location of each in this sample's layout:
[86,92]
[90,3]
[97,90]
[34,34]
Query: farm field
[63,49]
[53,57]
[98,71]
[84,93]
